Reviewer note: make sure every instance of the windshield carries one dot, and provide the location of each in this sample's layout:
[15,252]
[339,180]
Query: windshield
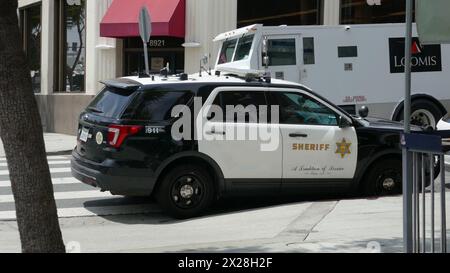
[242,46]
[226,54]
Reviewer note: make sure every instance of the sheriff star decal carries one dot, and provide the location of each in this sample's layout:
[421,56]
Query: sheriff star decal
[343,148]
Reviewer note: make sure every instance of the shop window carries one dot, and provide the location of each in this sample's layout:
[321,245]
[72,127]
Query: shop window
[279,12]
[70,66]
[308,51]
[282,52]
[161,51]
[359,12]
[31,28]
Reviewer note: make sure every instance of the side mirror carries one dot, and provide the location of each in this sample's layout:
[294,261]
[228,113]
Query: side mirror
[343,122]
[364,111]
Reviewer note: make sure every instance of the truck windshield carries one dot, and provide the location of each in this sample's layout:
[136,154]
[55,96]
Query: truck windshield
[226,54]
[242,47]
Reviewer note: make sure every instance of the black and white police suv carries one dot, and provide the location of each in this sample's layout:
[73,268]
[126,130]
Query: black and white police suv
[177,138]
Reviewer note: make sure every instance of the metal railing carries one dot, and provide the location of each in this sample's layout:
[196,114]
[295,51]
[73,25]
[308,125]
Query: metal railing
[426,200]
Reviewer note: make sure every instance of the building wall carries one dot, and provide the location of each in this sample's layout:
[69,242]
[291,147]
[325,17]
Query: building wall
[204,20]
[60,111]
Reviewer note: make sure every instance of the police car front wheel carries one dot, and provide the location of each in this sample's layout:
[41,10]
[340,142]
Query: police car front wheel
[186,191]
[384,178]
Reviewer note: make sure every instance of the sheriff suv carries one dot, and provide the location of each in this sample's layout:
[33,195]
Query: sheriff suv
[127,143]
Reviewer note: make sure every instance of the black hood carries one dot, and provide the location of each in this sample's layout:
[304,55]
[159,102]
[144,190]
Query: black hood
[378,123]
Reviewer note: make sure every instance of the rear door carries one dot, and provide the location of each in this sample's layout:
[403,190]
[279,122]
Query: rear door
[285,58]
[249,159]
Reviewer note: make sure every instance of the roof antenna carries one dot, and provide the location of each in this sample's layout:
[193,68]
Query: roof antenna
[203,63]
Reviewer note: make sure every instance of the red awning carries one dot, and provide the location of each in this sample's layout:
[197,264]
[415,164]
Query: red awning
[121,19]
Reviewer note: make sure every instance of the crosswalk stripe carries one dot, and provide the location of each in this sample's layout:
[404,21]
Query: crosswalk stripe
[55,162]
[94,211]
[65,195]
[52,170]
[49,158]
[55,181]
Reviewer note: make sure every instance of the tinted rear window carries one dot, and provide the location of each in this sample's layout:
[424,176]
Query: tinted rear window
[111,102]
[158,105]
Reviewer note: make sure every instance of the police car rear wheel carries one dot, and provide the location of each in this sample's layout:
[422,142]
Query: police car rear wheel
[384,178]
[186,191]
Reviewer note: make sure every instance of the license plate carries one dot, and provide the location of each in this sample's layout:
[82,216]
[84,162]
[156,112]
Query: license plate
[84,134]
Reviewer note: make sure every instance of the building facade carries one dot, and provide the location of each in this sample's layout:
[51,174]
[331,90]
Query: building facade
[72,45]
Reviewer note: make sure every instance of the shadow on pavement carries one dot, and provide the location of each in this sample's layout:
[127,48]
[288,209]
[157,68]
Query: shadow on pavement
[147,210]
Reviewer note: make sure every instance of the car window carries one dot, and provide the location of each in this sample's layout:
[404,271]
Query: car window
[226,54]
[241,105]
[110,102]
[281,52]
[158,105]
[243,48]
[297,108]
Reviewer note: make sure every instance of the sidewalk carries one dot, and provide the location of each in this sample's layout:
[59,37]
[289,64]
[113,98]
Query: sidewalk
[54,143]
[352,225]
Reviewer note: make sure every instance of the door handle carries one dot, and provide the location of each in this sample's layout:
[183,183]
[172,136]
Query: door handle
[215,133]
[298,135]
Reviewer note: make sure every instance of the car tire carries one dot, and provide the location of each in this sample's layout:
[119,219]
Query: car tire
[424,110]
[186,191]
[384,178]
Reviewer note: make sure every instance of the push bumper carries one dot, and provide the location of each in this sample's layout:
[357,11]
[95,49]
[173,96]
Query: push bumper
[109,177]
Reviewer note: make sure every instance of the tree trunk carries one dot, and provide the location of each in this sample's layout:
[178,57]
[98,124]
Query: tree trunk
[22,135]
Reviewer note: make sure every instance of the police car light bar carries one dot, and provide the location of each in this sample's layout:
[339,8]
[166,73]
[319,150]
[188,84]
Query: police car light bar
[248,74]
[242,72]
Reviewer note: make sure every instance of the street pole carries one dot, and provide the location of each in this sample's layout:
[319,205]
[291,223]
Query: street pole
[407,160]
[147,68]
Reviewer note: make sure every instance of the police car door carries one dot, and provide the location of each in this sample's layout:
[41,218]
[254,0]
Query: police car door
[284,57]
[314,145]
[243,159]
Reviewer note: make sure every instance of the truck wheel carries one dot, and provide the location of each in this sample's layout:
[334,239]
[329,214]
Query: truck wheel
[384,178]
[186,191]
[424,113]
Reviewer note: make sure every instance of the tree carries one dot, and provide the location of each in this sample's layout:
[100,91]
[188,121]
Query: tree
[22,136]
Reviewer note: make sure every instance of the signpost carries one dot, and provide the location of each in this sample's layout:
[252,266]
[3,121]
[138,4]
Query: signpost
[145,30]
[407,158]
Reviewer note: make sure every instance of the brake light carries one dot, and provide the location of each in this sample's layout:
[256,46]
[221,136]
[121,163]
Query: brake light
[118,133]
